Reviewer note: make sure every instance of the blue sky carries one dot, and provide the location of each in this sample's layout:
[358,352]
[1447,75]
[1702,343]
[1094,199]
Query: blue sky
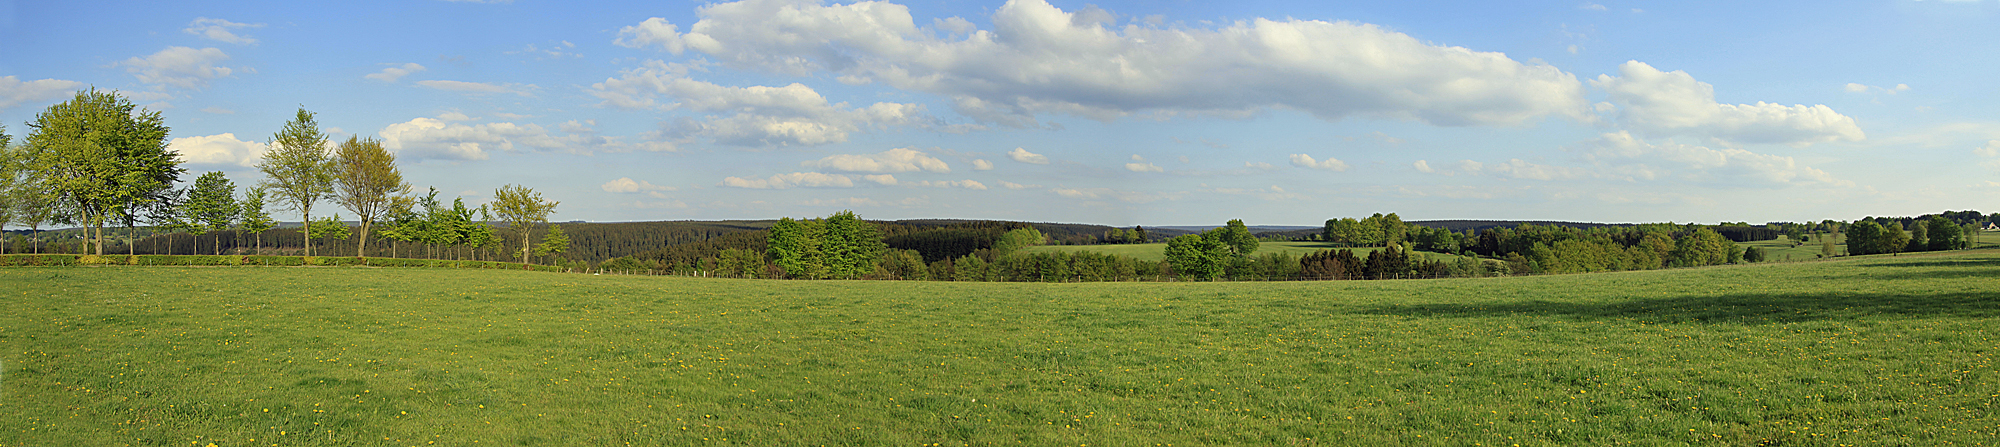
[1120,113]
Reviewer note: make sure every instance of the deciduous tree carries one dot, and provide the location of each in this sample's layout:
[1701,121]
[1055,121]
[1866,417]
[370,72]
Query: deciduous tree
[298,168]
[98,152]
[211,206]
[252,218]
[366,181]
[522,208]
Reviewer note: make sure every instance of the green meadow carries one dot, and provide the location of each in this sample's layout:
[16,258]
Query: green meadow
[1882,350]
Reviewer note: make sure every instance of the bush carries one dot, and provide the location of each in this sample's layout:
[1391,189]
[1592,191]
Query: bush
[288,261]
[399,262]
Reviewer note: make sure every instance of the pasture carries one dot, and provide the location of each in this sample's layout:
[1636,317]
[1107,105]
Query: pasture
[1157,251]
[1882,350]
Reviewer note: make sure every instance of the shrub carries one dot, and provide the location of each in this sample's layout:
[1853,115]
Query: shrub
[274,260]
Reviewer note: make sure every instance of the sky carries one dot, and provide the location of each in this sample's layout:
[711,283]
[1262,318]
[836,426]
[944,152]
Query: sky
[1115,113]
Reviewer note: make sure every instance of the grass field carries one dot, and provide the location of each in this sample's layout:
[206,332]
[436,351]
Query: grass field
[1865,351]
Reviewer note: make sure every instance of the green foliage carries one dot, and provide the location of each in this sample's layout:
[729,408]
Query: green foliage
[1014,240]
[1944,234]
[1237,237]
[793,247]
[298,168]
[1197,257]
[851,246]
[1753,254]
[210,206]
[555,242]
[521,208]
[93,156]
[252,218]
[329,228]
[366,182]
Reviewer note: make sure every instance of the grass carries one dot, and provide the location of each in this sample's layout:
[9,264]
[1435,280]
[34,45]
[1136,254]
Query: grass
[1882,350]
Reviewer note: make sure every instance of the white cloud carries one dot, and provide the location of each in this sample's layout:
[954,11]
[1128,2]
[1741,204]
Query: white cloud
[1022,155]
[1592,7]
[180,67]
[792,180]
[14,91]
[1423,166]
[1330,164]
[438,138]
[1139,164]
[1657,103]
[864,201]
[219,150]
[219,29]
[1119,195]
[1864,88]
[625,185]
[967,184]
[1038,59]
[392,74]
[791,115]
[893,160]
[1622,155]
[480,88]
[1012,185]
[1990,150]
[981,165]
[653,31]
[881,179]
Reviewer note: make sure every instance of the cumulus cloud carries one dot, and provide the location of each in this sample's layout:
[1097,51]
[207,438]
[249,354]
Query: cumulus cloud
[392,74]
[219,150]
[1659,104]
[1423,166]
[1139,164]
[14,91]
[479,88]
[625,185]
[180,67]
[791,115]
[1012,185]
[445,139]
[893,160]
[967,184]
[1622,154]
[1990,150]
[219,29]
[1022,155]
[881,179]
[792,180]
[1039,59]
[1330,164]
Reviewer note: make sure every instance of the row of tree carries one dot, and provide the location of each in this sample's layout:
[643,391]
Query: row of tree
[98,159]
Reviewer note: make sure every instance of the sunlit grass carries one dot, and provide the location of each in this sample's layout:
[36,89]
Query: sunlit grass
[1881,350]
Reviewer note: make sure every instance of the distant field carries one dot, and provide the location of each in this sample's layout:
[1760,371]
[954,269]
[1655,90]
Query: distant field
[1880,350]
[1778,250]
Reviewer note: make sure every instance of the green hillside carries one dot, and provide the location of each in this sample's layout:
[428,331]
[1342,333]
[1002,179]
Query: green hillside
[1862,351]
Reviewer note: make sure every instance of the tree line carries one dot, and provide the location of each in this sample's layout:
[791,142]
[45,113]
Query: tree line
[98,160]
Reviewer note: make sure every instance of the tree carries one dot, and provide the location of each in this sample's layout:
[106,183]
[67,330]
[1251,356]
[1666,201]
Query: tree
[330,228]
[1864,238]
[1894,240]
[98,152]
[794,248]
[1139,233]
[1753,254]
[252,218]
[850,245]
[1945,234]
[402,223]
[1197,257]
[1919,237]
[555,242]
[166,214]
[211,206]
[10,174]
[1014,240]
[1238,238]
[522,208]
[366,181]
[298,168]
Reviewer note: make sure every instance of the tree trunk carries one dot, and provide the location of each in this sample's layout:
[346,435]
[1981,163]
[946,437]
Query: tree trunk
[361,248]
[526,231]
[306,229]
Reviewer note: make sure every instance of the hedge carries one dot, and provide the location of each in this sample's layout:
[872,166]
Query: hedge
[25,260]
